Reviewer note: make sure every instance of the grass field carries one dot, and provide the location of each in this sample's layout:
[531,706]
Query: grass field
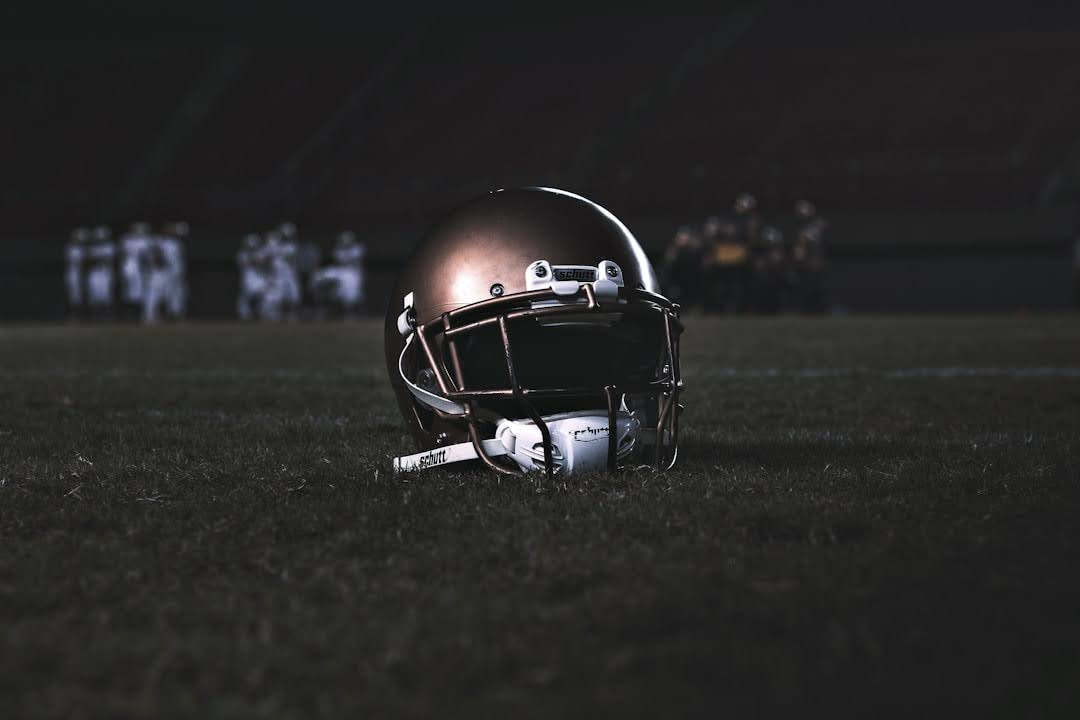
[872,517]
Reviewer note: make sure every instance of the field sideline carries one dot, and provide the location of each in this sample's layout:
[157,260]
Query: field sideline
[871,515]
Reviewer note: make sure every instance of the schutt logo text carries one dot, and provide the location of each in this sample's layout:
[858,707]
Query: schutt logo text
[588,434]
[435,457]
[580,275]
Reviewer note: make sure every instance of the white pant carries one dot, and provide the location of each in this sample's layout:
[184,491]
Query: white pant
[289,287]
[133,281]
[252,289]
[99,287]
[73,281]
[160,291]
[176,302]
[351,286]
[348,283]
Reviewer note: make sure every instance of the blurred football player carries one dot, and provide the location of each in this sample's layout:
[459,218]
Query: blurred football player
[74,259]
[805,211]
[165,292]
[287,271]
[682,268]
[340,287]
[808,265]
[270,261]
[747,219]
[252,278]
[158,282]
[771,272]
[308,260]
[134,246]
[805,217]
[100,273]
[747,230]
[173,245]
[725,265]
[808,259]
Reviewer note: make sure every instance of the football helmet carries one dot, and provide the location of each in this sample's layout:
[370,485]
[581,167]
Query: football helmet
[528,332]
[745,203]
[805,210]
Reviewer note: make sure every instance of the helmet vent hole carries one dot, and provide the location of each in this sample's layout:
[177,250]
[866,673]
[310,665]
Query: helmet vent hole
[497,290]
[556,454]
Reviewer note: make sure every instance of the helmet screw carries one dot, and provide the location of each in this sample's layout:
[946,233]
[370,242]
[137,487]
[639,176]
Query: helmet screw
[426,379]
[612,271]
[497,290]
[540,271]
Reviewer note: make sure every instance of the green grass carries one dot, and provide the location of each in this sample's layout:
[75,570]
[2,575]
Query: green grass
[200,521]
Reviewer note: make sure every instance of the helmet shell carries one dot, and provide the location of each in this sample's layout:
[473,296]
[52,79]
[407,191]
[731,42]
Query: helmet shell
[490,241]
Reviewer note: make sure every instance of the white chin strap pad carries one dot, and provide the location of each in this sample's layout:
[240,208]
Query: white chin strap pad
[579,443]
[579,440]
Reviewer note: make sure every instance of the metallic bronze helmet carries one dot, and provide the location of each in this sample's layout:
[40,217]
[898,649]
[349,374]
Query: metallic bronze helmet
[527,332]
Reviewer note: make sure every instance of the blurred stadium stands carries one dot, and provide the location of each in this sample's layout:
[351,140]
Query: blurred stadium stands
[915,133]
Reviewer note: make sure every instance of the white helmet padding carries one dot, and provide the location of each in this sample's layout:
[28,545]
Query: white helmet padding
[579,440]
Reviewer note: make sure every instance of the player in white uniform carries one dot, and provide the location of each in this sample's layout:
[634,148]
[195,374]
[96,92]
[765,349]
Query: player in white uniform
[158,281]
[341,285]
[270,259]
[287,267]
[134,247]
[349,255]
[74,256]
[100,273]
[308,260]
[252,277]
[172,245]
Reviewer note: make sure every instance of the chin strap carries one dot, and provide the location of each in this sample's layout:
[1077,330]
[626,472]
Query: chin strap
[445,455]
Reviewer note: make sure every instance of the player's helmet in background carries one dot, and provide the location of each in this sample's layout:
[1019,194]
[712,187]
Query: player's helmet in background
[711,226]
[102,233]
[252,241]
[745,203]
[177,229]
[528,331]
[772,235]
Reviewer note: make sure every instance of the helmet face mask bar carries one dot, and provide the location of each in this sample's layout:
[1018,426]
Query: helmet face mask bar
[556,296]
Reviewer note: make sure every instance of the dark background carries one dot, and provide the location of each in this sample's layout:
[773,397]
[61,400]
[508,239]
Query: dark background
[941,144]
